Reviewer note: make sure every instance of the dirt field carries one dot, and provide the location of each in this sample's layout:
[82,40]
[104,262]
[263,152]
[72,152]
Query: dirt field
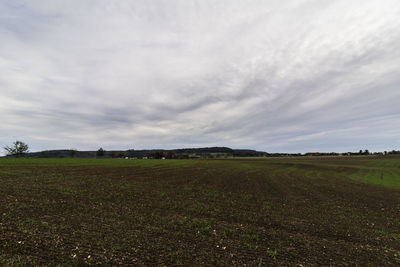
[261,212]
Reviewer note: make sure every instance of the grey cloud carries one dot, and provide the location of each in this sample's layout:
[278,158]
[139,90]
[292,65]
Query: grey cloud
[292,76]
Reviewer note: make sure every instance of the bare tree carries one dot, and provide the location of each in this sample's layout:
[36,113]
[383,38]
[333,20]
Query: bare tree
[17,149]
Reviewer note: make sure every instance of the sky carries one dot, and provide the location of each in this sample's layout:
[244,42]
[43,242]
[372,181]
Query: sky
[276,76]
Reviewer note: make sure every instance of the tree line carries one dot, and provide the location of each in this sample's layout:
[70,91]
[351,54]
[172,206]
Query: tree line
[20,148]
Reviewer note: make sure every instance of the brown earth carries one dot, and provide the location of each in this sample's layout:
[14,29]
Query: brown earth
[226,212]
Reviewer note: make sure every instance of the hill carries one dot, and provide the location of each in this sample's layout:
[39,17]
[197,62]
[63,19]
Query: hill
[205,152]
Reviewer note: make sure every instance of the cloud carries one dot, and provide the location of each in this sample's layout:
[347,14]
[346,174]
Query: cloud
[294,76]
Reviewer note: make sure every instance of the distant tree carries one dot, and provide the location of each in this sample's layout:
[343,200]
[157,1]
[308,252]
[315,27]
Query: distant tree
[170,155]
[18,149]
[100,152]
[366,152]
[158,155]
[72,152]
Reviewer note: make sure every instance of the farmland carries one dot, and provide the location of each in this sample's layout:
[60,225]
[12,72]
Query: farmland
[308,211]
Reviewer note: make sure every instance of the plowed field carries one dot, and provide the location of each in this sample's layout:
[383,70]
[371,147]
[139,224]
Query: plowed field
[258,212]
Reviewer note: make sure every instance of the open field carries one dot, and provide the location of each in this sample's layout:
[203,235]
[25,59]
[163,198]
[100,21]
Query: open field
[309,211]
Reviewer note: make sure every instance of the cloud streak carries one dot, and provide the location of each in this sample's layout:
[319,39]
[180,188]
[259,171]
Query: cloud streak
[296,76]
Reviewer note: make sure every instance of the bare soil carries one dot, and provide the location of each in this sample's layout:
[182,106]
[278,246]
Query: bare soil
[208,213]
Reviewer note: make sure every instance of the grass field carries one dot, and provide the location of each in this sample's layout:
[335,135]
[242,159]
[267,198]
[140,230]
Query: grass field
[259,212]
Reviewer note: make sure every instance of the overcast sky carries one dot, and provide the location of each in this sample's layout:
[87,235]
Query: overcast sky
[277,76]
